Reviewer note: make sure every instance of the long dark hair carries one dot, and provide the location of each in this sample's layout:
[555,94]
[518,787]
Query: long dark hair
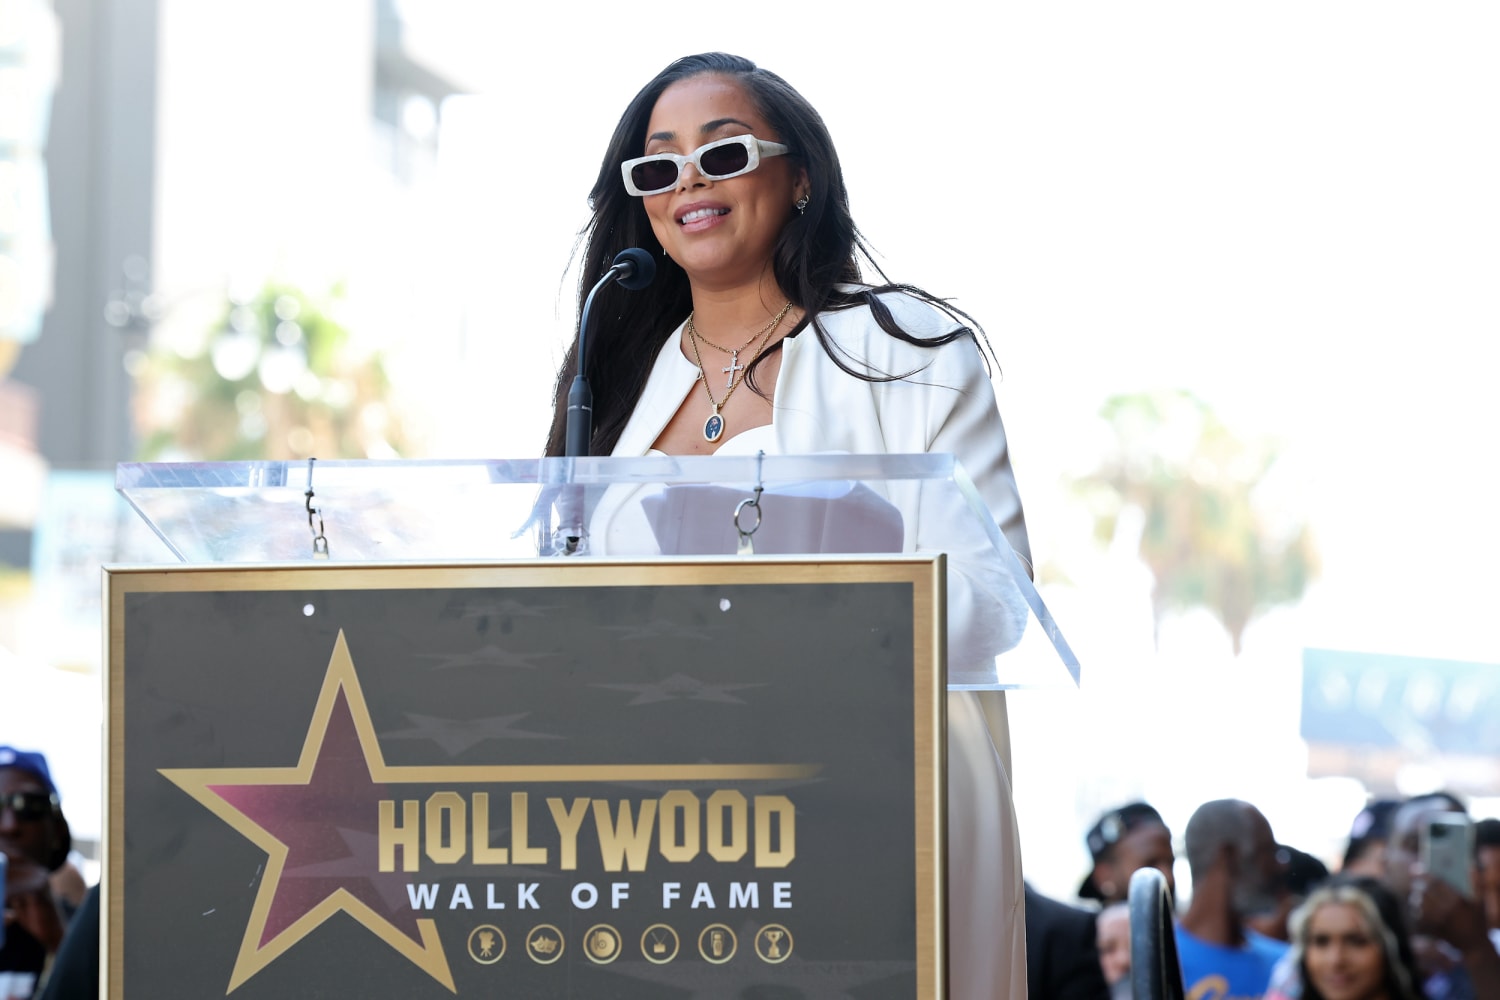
[817,251]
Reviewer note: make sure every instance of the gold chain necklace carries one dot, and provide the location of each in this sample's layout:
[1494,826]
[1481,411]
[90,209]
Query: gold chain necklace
[735,367]
[713,427]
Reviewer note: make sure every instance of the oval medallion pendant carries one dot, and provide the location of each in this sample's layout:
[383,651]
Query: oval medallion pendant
[713,427]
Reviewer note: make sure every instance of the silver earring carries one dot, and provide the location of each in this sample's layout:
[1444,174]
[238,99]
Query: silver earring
[802,204]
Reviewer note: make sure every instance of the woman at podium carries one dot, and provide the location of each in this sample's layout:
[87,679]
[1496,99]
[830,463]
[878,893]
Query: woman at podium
[759,334]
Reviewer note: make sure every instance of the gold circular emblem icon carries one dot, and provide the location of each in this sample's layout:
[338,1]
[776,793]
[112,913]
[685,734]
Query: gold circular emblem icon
[773,943]
[486,944]
[545,944]
[717,943]
[602,944]
[659,944]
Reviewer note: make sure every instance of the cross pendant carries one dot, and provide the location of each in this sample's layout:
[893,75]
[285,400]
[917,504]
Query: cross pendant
[734,366]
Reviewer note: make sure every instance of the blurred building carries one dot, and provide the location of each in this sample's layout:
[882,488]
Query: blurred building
[1402,725]
[28,74]
[155,156]
[188,147]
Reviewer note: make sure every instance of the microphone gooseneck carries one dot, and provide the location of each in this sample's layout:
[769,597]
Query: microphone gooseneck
[634,269]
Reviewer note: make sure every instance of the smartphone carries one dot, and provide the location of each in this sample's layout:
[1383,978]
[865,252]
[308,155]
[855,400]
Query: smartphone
[1447,850]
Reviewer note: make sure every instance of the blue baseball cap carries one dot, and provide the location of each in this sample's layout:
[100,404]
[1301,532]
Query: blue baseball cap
[29,761]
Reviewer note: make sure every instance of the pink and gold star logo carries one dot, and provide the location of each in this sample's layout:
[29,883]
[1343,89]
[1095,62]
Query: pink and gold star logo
[313,821]
[318,822]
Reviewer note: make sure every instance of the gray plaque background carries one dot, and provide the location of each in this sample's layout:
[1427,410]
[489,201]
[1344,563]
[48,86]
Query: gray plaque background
[788,673]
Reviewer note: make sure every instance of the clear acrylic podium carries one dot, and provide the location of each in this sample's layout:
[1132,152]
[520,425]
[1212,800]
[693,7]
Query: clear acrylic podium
[794,562]
[287,512]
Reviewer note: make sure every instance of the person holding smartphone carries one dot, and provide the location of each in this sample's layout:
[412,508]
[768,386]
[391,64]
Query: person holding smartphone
[1454,951]
[1487,860]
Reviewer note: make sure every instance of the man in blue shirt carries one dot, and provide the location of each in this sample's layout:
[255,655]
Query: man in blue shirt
[1232,856]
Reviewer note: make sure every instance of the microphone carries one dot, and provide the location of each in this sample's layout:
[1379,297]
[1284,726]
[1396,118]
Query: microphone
[637,268]
[634,269]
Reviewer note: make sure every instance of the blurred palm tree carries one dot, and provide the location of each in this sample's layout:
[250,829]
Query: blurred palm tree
[1193,485]
[279,378]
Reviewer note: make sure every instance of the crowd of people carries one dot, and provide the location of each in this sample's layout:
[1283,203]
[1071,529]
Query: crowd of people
[1263,920]
[1267,920]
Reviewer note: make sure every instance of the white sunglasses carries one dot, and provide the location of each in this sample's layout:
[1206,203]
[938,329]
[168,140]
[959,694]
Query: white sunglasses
[716,161]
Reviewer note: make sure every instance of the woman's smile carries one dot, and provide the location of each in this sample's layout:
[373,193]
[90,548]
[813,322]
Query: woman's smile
[698,216]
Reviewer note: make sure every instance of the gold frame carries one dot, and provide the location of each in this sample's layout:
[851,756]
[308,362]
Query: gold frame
[926,574]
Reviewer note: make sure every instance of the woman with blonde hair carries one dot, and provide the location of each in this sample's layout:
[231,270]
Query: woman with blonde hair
[1349,942]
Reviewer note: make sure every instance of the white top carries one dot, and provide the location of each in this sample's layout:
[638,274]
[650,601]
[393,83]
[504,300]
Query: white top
[948,405]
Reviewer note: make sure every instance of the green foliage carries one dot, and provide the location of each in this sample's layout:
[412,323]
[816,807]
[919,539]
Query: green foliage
[1193,485]
[280,377]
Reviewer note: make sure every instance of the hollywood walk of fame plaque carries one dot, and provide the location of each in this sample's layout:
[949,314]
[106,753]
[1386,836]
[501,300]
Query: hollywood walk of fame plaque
[701,777]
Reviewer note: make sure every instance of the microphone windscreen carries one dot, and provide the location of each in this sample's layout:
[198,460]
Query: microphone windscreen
[642,268]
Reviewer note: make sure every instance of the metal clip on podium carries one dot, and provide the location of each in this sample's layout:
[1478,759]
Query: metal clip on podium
[431,754]
[485,510]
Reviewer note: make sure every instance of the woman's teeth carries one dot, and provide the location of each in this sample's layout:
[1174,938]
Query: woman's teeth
[702,213]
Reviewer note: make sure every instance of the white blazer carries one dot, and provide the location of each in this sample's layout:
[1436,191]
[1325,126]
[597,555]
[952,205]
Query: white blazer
[945,403]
